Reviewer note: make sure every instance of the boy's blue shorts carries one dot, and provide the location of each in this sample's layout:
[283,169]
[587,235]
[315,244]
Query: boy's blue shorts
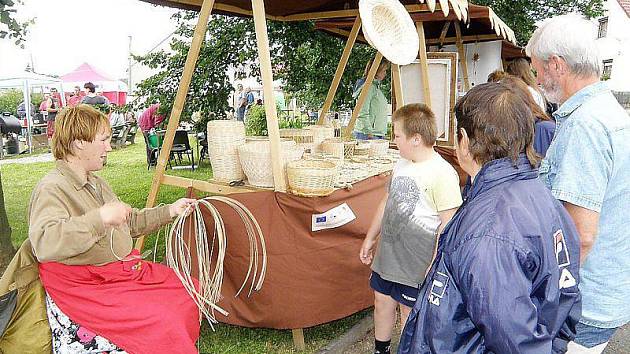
[404,294]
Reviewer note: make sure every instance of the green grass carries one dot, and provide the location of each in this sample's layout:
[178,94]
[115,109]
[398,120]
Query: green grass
[127,173]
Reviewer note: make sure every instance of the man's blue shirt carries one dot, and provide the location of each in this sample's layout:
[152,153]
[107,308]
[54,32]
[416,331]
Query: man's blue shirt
[588,165]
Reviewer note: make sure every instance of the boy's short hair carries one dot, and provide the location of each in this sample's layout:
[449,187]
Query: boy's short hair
[82,122]
[499,123]
[417,118]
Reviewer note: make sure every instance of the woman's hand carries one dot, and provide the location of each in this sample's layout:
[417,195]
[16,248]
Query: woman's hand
[115,213]
[180,206]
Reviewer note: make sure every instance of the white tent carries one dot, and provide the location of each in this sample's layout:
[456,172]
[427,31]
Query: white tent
[26,81]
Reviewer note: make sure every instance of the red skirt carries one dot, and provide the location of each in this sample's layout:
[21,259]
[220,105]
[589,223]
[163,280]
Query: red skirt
[50,128]
[140,306]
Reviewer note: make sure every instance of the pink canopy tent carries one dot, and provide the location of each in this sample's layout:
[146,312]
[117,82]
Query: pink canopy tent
[114,90]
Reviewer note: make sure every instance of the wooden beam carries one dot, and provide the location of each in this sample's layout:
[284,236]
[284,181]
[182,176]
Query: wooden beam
[397,86]
[462,56]
[208,187]
[444,31]
[298,338]
[341,67]
[474,38]
[363,94]
[424,64]
[260,24]
[178,105]
[346,13]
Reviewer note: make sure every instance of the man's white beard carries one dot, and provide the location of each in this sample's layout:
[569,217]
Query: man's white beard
[552,90]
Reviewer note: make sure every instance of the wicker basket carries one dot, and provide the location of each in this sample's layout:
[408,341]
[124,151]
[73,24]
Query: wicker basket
[334,147]
[362,148]
[311,178]
[255,157]
[378,147]
[321,133]
[224,137]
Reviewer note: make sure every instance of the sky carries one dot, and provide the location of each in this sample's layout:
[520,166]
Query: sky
[68,33]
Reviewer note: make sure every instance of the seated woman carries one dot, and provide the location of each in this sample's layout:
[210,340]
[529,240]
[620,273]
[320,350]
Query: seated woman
[101,296]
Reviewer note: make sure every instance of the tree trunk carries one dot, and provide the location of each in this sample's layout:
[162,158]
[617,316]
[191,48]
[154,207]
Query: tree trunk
[6,247]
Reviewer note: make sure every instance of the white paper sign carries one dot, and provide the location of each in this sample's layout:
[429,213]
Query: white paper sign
[335,217]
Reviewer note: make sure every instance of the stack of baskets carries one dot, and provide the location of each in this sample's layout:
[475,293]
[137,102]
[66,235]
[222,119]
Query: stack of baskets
[255,157]
[302,137]
[312,178]
[378,147]
[338,148]
[224,137]
[320,133]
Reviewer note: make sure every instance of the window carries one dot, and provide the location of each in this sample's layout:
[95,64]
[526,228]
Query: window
[607,69]
[603,27]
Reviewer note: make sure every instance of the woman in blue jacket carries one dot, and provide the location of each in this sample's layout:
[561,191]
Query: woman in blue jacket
[505,277]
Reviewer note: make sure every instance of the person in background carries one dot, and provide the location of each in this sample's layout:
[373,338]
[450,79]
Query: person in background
[520,68]
[372,119]
[505,276]
[53,106]
[497,75]
[116,118]
[150,118]
[241,103]
[100,295]
[76,97]
[423,195]
[544,127]
[91,97]
[587,168]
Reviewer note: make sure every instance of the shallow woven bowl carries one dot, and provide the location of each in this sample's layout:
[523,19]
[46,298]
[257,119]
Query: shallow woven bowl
[388,27]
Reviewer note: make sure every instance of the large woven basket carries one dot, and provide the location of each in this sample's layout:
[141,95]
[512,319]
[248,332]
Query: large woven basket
[378,147]
[302,137]
[255,157]
[321,133]
[224,137]
[311,178]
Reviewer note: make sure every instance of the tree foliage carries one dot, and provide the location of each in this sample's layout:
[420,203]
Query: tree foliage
[522,15]
[302,58]
[10,27]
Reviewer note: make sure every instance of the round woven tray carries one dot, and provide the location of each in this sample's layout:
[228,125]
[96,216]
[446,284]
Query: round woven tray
[255,157]
[224,137]
[311,178]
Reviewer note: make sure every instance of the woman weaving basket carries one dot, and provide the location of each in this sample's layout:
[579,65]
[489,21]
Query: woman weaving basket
[101,296]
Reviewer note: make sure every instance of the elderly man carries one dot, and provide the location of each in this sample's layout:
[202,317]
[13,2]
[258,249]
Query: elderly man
[587,167]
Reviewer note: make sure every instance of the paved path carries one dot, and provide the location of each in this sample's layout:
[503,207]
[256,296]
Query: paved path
[29,159]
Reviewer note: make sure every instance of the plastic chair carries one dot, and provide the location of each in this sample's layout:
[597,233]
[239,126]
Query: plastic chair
[181,146]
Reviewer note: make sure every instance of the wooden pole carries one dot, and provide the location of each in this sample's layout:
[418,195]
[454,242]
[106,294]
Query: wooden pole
[258,8]
[363,94]
[397,86]
[424,64]
[178,105]
[341,67]
[462,56]
[444,31]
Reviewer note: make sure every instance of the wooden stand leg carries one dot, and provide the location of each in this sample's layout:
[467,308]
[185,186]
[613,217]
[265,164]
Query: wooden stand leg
[178,105]
[462,56]
[298,338]
[424,64]
[397,87]
[363,94]
[341,67]
[258,8]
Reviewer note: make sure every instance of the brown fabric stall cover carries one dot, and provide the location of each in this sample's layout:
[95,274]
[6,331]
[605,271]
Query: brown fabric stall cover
[312,277]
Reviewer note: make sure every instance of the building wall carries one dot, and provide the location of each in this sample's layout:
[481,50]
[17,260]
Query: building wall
[489,60]
[616,45]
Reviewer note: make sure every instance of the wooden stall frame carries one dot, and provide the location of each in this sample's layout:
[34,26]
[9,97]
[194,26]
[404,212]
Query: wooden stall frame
[424,66]
[462,56]
[341,67]
[259,16]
